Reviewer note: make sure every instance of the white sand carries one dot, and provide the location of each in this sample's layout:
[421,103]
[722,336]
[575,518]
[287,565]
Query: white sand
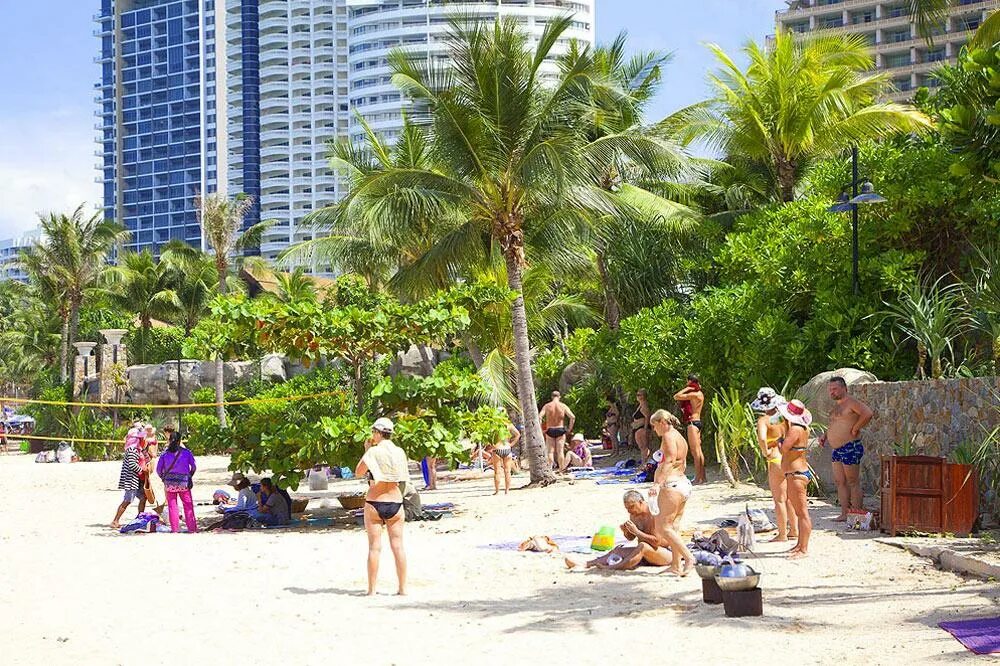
[73,591]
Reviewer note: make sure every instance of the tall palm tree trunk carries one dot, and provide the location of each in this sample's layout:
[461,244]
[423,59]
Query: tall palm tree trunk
[612,309]
[220,368]
[786,179]
[64,350]
[541,473]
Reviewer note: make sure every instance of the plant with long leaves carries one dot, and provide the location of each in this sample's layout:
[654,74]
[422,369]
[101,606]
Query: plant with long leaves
[642,168]
[507,161]
[932,316]
[984,297]
[222,224]
[145,287]
[797,101]
[66,265]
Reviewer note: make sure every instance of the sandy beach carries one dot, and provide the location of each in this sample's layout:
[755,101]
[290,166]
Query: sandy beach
[76,592]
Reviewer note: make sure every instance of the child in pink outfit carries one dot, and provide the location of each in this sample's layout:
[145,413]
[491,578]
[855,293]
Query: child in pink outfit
[177,467]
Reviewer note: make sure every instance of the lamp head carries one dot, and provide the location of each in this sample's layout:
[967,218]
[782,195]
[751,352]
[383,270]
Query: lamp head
[842,205]
[868,194]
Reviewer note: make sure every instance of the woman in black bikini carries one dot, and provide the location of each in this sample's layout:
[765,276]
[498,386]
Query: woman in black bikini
[387,469]
[796,469]
[640,424]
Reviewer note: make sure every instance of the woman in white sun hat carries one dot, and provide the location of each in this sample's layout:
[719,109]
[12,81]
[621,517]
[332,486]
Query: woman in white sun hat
[795,467]
[771,427]
[386,467]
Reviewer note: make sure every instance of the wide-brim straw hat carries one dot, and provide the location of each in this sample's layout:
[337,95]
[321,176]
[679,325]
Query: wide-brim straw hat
[766,400]
[796,412]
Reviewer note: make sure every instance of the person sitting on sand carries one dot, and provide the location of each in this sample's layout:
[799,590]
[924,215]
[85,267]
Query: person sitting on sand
[671,488]
[577,453]
[246,499]
[649,550]
[277,508]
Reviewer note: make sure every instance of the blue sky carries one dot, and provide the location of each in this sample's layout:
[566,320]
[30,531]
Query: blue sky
[47,75]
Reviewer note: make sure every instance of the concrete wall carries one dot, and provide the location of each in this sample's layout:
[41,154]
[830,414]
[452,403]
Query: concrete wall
[935,415]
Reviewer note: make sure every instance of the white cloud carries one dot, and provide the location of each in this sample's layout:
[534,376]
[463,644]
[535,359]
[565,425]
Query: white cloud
[47,163]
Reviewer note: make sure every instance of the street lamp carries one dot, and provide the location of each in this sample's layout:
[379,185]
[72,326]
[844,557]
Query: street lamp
[849,202]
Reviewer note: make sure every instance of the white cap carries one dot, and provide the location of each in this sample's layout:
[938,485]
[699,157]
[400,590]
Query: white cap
[578,437]
[383,425]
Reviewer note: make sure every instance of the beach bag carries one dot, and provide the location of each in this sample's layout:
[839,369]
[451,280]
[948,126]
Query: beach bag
[604,539]
[859,519]
[148,491]
[760,521]
[64,453]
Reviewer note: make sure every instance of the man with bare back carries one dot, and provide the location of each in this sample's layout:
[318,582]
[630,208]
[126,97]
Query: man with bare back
[649,550]
[553,417]
[692,399]
[843,434]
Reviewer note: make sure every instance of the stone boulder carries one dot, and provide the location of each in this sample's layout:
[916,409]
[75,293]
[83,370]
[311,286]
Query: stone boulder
[816,396]
[157,384]
[274,368]
[415,362]
[574,374]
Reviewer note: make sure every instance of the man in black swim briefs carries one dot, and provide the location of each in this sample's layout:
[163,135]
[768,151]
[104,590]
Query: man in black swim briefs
[553,416]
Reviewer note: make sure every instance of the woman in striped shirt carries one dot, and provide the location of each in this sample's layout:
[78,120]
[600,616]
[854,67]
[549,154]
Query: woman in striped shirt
[128,481]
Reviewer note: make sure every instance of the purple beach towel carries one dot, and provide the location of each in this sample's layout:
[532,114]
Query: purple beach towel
[979,636]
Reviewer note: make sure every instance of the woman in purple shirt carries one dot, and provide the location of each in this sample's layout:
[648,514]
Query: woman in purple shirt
[177,467]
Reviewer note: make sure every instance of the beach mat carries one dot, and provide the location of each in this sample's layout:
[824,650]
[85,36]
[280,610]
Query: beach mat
[301,522]
[979,636]
[567,544]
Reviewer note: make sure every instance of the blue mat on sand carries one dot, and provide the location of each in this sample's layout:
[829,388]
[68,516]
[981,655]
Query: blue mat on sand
[979,636]
[567,544]
[307,522]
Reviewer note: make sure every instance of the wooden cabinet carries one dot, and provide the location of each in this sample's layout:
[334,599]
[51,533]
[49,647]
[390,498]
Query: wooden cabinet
[928,494]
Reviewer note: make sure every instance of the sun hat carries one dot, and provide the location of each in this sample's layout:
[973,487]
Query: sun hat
[238,478]
[796,412]
[578,437]
[383,425]
[767,398]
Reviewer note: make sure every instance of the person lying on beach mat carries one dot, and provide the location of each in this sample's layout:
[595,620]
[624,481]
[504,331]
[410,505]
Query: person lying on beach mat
[649,550]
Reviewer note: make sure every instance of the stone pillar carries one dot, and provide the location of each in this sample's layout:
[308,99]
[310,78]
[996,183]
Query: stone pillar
[113,362]
[84,366]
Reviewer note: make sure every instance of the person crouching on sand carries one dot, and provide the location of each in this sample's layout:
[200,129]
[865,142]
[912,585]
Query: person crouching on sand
[771,428]
[796,469]
[385,465]
[649,550]
[671,488]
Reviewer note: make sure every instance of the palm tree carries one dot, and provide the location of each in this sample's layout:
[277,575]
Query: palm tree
[295,286]
[638,167]
[404,262]
[222,222]
[932,316]
[506,162]
[67,263]
[796,102]
[988,33]
[141,285]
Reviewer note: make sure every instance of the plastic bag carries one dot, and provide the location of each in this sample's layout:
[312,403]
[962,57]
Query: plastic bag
[604,539]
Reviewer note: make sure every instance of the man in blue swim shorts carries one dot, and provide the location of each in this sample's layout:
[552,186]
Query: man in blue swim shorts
[848,417]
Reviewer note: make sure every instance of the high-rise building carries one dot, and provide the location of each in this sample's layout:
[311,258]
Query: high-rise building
[287,98]
[199,96]
[163,139]
[888,26]
[379,26]
[10,248]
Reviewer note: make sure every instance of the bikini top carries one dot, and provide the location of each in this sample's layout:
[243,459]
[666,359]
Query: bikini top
[637,414]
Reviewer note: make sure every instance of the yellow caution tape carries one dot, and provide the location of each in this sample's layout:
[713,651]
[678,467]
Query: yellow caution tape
[102,405]
[13,438]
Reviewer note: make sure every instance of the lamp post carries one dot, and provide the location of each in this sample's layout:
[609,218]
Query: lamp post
[850,202]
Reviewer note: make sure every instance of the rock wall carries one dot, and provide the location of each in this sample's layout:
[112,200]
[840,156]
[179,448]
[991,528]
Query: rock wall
[934,416]
[157,384]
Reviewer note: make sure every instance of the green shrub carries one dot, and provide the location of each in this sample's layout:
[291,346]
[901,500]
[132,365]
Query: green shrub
[154,345]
